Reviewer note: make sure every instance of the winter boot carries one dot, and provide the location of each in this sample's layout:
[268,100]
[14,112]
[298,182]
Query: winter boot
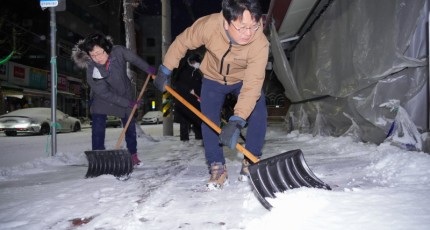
[135,159]
[218,177]
[244,171]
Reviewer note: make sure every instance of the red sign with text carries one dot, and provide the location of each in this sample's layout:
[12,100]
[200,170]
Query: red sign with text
[19,72]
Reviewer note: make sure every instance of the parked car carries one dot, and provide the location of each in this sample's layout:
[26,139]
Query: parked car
[152,117]
[113,121]
[36,121]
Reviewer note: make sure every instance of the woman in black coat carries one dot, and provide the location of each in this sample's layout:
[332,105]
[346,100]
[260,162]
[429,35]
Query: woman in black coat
[188,85]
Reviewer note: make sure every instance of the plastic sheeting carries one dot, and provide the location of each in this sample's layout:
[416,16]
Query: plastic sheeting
[359,55]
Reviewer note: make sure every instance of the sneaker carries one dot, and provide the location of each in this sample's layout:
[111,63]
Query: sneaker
[244,171]
[218,177]
[135,159]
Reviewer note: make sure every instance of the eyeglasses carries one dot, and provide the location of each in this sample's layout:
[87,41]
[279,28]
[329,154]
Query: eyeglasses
[94,55]
[243,29]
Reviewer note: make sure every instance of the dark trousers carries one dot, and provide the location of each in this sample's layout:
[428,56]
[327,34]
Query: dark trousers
[184,130]
[98,130]
[197,129]
[212,99]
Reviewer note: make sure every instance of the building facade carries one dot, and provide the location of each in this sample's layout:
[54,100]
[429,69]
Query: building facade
[25,77]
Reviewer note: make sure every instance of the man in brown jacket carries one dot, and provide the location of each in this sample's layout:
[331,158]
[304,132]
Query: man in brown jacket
[235,61]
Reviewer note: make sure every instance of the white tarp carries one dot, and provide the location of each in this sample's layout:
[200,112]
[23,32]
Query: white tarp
[359,55]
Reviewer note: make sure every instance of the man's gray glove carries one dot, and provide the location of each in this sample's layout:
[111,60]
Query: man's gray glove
[231,131]
[163,78]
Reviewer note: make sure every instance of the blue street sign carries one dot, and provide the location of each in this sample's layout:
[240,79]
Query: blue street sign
[48,3]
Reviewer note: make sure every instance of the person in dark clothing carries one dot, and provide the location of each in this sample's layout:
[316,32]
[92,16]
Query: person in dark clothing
[188,85]
[111,89]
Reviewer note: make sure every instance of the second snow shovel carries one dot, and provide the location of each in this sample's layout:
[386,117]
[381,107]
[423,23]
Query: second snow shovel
[116,161]
[272,175]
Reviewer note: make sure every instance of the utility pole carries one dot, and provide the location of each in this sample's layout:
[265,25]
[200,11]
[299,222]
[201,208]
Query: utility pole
[130,36]
[53,5]
[426,141]
[53,83]
[166,40]
[165,26]
[2,103]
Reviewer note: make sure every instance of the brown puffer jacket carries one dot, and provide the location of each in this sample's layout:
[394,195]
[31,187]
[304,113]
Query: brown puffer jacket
[225,62]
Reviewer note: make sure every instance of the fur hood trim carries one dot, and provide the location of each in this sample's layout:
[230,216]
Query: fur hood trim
[80,57]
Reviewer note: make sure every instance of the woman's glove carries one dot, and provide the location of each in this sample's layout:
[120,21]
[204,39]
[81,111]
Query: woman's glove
[162,78]
[231,131]
[151,70]
[132,103]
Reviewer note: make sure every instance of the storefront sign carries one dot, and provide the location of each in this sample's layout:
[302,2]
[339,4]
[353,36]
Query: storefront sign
[62,82]
[18,74]
[38,79]
[75,89]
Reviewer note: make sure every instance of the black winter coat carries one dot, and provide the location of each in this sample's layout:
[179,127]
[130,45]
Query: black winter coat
[188,79]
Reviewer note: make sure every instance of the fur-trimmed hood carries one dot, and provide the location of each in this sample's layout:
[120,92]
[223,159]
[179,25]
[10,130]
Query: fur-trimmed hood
[80,57]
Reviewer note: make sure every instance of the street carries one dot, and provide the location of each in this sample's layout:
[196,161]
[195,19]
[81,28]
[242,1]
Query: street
[33,147]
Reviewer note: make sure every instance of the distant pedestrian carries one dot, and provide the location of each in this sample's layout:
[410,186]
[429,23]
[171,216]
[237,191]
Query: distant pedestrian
[188,84]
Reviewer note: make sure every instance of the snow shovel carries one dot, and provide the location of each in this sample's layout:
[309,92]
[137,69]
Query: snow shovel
[116,161]
[272,175]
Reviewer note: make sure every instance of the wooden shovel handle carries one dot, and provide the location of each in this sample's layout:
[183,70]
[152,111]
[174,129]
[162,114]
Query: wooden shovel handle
[121,137]
[211,124]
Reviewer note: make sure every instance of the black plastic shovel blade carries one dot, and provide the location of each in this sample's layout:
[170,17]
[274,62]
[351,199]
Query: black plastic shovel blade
[280,173]
[116,162]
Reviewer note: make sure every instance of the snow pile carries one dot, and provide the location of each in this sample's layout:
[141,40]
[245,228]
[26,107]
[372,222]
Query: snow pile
[373,187]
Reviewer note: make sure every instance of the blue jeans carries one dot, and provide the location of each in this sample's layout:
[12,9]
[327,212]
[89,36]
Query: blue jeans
[99,132]
[212,99]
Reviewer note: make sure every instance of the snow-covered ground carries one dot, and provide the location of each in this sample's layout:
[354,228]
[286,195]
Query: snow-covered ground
[374,187]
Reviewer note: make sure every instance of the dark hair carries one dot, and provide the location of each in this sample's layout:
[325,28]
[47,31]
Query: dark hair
[233,9]
[194,58]
[96,39]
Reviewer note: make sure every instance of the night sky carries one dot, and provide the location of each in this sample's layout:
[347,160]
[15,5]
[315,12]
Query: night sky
[182,16]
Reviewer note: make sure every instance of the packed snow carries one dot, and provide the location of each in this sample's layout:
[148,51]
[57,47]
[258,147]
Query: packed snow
[373,186]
